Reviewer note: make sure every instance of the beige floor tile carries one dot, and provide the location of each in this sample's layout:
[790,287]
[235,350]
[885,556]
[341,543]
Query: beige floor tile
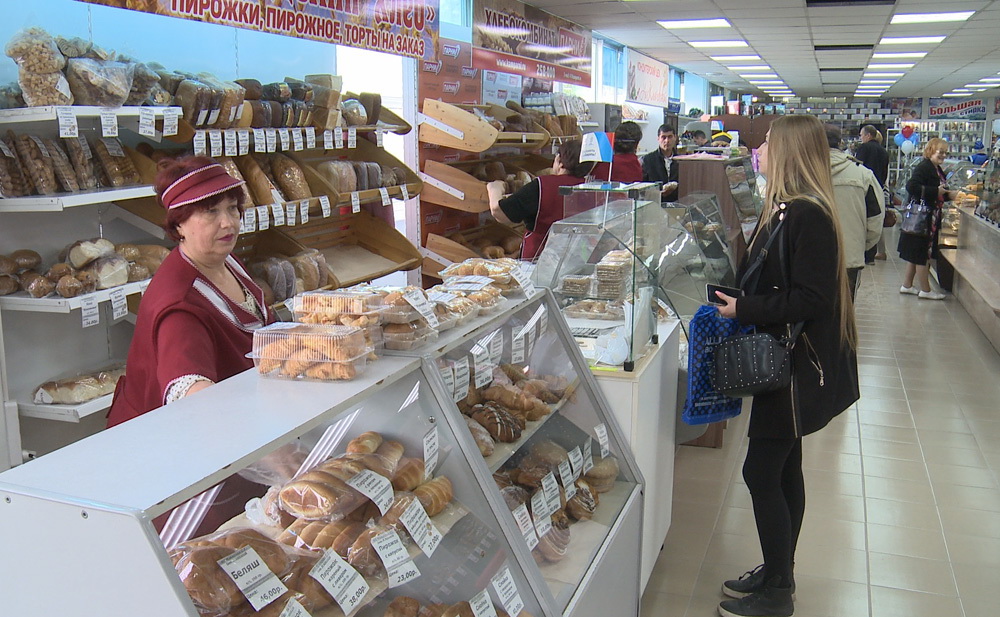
[902,514]
[962,476]
[973,549]
[736,521]
[910,491]
[838,483]
[821,531]
[878,467]
[663,605]
[733,550]
[934,453]
[972,497]
[712,575]
[685,546]
[891,449]
[890,602]
[980,605]
[673,575]
[937,409]
[885,381]
[928,422]
[887,418]
[912,574]
[841,507]
[829,598]
[814,458]
[701,491]
[976,579]
[889,433]
[837,563]
[922,543]
[882,393]
[957,520]
[832,442]
[704,607]
[947,439]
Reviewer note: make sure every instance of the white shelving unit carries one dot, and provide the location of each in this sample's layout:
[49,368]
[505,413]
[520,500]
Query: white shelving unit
[50,113]
[21,301]
[63,413]
[58,203]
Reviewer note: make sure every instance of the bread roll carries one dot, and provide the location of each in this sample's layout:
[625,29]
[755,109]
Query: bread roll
[392,451]
[435,494]
[89,280]
[501,425]
[409,474]
[461,609]
[319,497]
[603,474]
[365,443]
[137,272]
[582,506]
[208,585]
[362,554]
[37,285]
[57,271]
[8,284]
[111,271]
[7,266]
[342,545]
[402,606]
[69,286]
[26,259]
[482,436]
[300,581]
[267,549]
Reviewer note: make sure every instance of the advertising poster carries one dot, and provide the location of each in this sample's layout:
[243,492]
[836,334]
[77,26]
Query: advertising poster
[498,88]
[648,80]
[449,75]
[512,37]
[952,109]
[399,27]
[907,109]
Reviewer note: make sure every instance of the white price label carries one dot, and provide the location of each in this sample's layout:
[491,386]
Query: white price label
[199,143]
[406,192]
[119,307]
[576,460]
[278,213]
[324,205]
[286,141]
[89,311]
[524,282]
[294,609]
[448,376]
[271,140]
[531,341]
[45,152]
[482,606]
[524,138]
[355,202]
[568,481]
[484,370]
[340,580]
[328,139]
[291,209]
[441,297]
[551,489]
[213,117]
[250,573]
[171,121]
[109,122]
[517,350]
[231,143]
[379,138]
[113,146]
[588,456]
[6,151]
[526,526]
[543,320]
[540,512]
[602,438]
[202,117]
[390,548]
[543,524]
[259,141]
[431,447]
[250,218]
[243,139]
[496,347]
[215,142]
[298,140]
[263,220]
[418,300]
[352,137]
[304,211]
[374,487]
[68,126]
[84,147]
[338,139]
[310,137]
[402,574]
[147,122]
[384,194]
[421,529]
[503,583]
[461,379]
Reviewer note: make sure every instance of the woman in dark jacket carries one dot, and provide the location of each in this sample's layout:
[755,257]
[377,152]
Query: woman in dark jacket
[824,363]
[926,183]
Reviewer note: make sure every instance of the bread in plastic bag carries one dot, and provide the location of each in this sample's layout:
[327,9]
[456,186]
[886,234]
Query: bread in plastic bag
[40,89]
[290,177]
[144,79]
[36,285]
[354,112]
[169,80]
[116,163]
[230,96]
[11,96]
[62,167]
[36,162]
[79,389]
[111,271]
[231,168]
[209,586]
[195,98]
[34,50]
[82,158]
[104,84]
[12,181]
[74,47]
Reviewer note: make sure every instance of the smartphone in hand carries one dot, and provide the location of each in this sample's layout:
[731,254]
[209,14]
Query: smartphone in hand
[710,290]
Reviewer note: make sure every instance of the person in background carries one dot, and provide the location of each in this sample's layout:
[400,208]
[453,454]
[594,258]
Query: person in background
[625,166]
[979,157]
[659,166]
[698,138]
[926,183]
[860,206]
[824,362]
[721,140]
[874,156]
[538,204]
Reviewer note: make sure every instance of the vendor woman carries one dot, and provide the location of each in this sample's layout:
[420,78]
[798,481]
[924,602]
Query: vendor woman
[538,204]
[198,315]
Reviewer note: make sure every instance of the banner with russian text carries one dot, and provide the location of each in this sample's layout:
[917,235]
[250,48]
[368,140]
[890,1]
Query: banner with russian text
[512,37]
[648,80]
[399,27]
[956,109]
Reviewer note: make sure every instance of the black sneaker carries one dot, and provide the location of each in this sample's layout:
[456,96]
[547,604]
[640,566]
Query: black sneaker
[770,601]
[751,582]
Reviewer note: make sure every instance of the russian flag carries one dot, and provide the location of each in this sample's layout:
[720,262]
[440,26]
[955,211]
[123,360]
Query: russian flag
[597,147]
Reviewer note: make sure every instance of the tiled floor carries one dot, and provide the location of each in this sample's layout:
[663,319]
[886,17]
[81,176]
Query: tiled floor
[902,500]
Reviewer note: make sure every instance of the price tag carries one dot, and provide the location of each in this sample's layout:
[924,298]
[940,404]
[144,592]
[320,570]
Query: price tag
[89,311]
[576,461]
[250,217]
[441,297]
[171,121]
[215,142]
[406,192]
[147,122]
[68,126]
[113,146]
[482,606]
[338,139]
[304,211]
[6,151]
[524,282]
[461,379]
[263,220]
[213,117]
[340,580]
[328,139]
[390,548]
[517,350]
[588,457]
[298,140]
[531,341]
[568,481]
[379,138]
[448,376]
[285,139]
[384,194]
[551,489]
[503,583]
[243,138]
[355,202]
[402,574]
[431,446]
[484,371]
[84,147]
[293,608]
[524,138]
[540,513]
[374,487]
[324,204]
[271,139]
[109,122]
[310,137]
[250,573]
[496,347]
[543,320]
[199,143]
[202,118]
[602,438]
[526,526]
[230,139]
[45,152]
[418,301]
[352,137]
[421,529]
[119,307]
[290,211]
[278,213]
[259,141]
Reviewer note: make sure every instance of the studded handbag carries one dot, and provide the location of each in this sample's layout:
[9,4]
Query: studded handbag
[916,217]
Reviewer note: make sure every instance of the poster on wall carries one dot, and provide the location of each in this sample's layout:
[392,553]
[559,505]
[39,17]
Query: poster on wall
[950,109]
[400,27]
[648,80]
[512,37]
[449,76]
[907,109]
[498,88]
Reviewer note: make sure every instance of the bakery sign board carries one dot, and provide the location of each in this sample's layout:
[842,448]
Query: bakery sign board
[512,37]
[950,109]
[399,27]
[648,80]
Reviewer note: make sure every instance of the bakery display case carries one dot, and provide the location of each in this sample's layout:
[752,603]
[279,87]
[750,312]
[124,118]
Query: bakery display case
[966,178]
[347,498]
[989,194]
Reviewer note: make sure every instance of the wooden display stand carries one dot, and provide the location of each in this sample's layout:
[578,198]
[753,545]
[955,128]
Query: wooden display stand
[464,130]
[709,176]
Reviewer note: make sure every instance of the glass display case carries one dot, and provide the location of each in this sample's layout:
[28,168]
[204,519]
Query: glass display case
[273,497]
[989,194]
[966,178]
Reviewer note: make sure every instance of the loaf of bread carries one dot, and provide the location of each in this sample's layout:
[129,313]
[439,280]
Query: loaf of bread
[501,425]
[110,271]
[76,390]
[36,162]
[603,474]
[206,582]
[194,98]
[300,581]
[253,88]
[26,259]
[61,166]
[361,173]
[233,170]
[435,494]
[482,436]
[402,606]
[36,285]
[262,188]
[83,252]
[290,178]
[274,556]
[409,474]
[362,554]
[82,159]
[8,284]
[354,112]
[116,163]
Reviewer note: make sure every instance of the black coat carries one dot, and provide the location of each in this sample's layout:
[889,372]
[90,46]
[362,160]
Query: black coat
[654,169]
[923,184]
[824,370]
[873,156]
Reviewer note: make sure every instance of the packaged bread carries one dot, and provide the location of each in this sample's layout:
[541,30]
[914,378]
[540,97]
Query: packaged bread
[26,259]
[325,119]
[58,271]
[233,170]
[41,89]
[79,389]
[210,588]
[307,270]
[7,266]
[83,252]
[288,114]
[253,90]
[36,162]
[82,159]
[278,91]
[8,284]
[290,177]
[231,101]
[340,175]
[361,173]
[263,190]
[137,272]
[11,181]
[36,285]
[111,271]
[327,98]
[372,102]
[34,50]
[169,80]
[195,98]
[63,169]
[374,173]
[74,47]
[116,163]
[277,114]
[301,90]
[11,96]
[354,112]
[260,114]
[315,352]
[144,81]
[334,82]
[104,84]
[89,281]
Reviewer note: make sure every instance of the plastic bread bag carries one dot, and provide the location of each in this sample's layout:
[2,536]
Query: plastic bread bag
[496,270]
[354,112]
[144,80]
[195,98]
[36,285]
[230,102]
[40,89]
[116,163]
[169,80]
[82,158]
[300,581]
[104,84]
[35,51]
[288,603]
[158,97]
[230,166]
[11,96]
[79,389]
[290,178]
[12,180]
[74,47]
[279,466]
[316,352]
[36,162]
[62,167]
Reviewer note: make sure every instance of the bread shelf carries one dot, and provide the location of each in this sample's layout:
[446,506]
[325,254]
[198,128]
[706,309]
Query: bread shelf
[64,413]
[503,451]
[49,113]
[58,203]
[456,126]
[21,301]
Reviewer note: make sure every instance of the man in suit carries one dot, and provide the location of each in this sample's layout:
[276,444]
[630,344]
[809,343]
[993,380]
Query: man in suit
[659,166]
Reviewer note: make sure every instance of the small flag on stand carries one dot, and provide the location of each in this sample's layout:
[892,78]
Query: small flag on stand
[597,147]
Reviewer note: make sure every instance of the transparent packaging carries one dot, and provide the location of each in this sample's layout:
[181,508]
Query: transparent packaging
[311,352]
[352,302]
[408,335]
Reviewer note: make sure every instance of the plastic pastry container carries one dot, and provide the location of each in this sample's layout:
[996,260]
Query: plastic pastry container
[403,337]
[310,352]
[595,309]
[339,302]
[576,285]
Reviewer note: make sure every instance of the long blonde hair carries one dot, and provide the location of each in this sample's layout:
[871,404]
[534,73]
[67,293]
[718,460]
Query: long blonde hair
[798,167]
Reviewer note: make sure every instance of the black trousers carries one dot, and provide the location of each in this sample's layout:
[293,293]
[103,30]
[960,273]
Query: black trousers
[773,473]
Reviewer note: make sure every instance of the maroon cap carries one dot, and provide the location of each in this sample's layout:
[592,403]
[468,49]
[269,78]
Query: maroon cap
[199,184]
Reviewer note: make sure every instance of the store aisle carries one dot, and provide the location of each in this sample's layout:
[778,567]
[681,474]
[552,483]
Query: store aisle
[903,504]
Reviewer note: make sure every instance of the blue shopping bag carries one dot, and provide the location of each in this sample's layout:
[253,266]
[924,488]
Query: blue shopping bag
[704,404]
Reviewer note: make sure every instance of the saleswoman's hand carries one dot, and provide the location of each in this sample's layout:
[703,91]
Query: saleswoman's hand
[729,308]
[496,190]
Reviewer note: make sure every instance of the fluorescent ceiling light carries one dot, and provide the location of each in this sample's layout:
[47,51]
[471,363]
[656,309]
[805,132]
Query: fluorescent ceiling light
[956,94]
[961,90]
[990,79]
[751,67]
[879,55]
[878,81]
[980,86]
[767,82]
[863,95]
[672,24]
[907,40]
[867,75]
[762,75]
[929,18]
[740,58]
[718,44]
[891,66]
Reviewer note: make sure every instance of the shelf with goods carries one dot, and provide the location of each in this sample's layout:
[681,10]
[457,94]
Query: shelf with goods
[474,543]
[461,128]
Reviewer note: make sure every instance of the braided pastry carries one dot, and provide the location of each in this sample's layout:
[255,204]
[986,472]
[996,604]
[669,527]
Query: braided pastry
[434,495]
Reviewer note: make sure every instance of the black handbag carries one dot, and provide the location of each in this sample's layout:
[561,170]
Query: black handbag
[916,217]
[754,363]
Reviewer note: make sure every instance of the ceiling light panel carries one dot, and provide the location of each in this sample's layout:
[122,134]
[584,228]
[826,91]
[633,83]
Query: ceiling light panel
[878,81]
[677,24]
[911,40]
[891,65]
[700,44]
[759,75]
[955,94]
[885,55]
[766,82]
[750,67]
[725,59]
[867,75]
[990,79]
[930,18]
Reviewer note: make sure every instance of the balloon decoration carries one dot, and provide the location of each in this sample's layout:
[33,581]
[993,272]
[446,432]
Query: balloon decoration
[907,147]
[907,131]
[899,139]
